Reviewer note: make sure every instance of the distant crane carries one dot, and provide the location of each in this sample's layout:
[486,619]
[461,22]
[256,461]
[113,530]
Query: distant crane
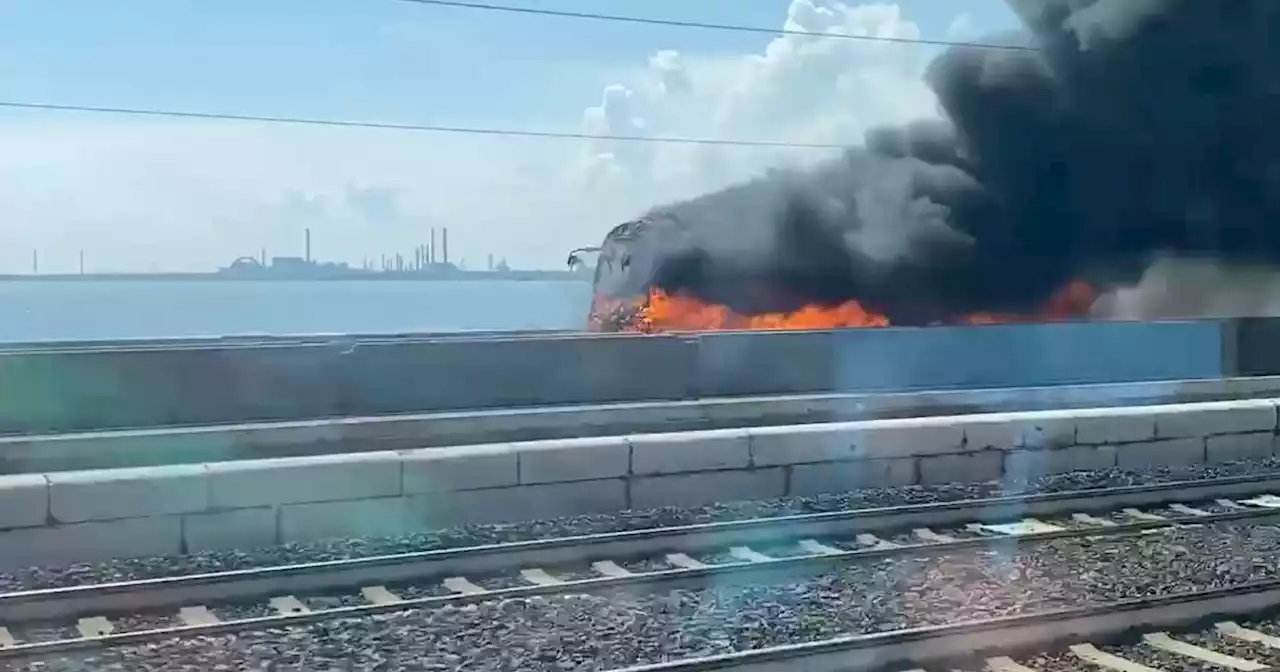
[575,258]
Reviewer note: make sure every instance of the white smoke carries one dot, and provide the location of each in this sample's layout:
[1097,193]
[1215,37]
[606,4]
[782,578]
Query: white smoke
[1183,289]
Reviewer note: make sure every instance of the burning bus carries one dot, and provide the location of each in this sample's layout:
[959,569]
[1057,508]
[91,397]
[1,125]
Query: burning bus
[777,253]
[650,277]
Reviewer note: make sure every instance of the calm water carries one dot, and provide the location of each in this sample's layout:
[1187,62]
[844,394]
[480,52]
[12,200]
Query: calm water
[94,310]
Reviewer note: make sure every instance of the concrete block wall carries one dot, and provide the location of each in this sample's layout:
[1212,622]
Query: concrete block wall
[64,517]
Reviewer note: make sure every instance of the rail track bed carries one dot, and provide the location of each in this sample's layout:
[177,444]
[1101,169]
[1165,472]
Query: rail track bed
[911,554]
[1125,636]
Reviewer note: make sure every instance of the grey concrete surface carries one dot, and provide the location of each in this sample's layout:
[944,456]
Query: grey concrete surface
[53,390]
[225,443]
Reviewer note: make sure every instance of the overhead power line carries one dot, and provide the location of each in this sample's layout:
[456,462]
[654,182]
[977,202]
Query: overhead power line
[424,128]
[464,4]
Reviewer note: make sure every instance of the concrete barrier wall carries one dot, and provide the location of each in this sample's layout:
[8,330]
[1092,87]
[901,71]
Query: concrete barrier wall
[61,391]
[223,443]
[864,360]
[66,517]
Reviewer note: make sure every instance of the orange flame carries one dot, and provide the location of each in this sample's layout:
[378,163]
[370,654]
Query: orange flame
[663,312]
[667,312]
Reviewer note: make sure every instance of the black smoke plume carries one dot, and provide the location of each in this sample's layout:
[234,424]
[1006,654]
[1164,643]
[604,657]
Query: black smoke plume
[1134,130]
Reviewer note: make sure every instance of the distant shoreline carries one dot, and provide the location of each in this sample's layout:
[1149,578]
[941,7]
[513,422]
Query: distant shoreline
[459,276]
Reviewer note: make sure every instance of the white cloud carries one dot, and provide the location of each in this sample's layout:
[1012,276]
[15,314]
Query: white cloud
[673,80]
[193,194]
[188,195]
[799,88]
[962,28]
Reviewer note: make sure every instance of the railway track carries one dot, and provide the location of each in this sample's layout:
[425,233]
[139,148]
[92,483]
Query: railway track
[1099,637]
[48,621]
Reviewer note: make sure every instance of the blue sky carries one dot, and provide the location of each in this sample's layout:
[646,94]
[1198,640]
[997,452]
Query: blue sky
[357,59]
[366,58]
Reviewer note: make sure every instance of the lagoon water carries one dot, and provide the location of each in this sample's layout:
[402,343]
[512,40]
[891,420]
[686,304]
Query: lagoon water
[73,310]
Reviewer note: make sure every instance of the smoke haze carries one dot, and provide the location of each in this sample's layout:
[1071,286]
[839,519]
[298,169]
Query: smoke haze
[1137,131]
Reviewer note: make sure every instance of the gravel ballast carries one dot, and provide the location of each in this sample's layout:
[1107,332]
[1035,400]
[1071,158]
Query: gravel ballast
[1063,661]
[1215,641]
[339,549]
[601,633]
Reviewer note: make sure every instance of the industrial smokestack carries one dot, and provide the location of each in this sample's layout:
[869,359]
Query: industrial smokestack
[444,243]
[308,245]
[433,245]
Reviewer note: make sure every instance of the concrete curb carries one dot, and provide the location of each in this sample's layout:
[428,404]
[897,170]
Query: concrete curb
[66,517]
[222,443]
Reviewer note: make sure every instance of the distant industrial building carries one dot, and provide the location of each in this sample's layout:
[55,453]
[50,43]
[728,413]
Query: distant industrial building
[284,267]
[290,267]
[428,262]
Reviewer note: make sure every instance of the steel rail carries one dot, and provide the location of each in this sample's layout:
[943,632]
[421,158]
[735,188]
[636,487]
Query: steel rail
[133,597]
[934,644]
[739,573]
